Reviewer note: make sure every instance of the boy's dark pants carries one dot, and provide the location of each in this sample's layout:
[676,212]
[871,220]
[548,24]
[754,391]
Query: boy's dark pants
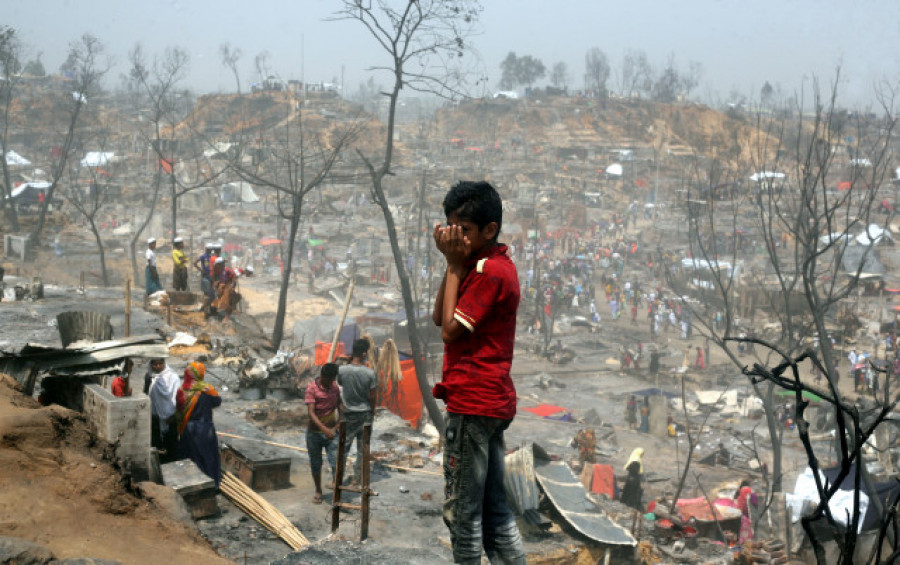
[475,509]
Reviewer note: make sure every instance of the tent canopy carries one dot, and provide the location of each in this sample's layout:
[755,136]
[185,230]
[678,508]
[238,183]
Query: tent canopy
[766,175]
[874,234]
[614,170]
[13,159]
[97,159]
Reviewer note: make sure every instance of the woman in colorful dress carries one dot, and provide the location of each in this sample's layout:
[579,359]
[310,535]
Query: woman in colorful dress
[196,402]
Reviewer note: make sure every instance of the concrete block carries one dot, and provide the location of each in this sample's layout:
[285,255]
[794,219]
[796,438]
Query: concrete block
[197,490]
[16,246]
[125,421]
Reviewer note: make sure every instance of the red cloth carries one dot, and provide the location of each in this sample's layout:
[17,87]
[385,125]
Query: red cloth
[476,378]
[323,349]
[406,399]
[604,481]
[545,410]
[699,508]
[119,387]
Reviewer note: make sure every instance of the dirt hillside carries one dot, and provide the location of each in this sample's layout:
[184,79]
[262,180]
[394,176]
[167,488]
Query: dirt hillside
[55,492]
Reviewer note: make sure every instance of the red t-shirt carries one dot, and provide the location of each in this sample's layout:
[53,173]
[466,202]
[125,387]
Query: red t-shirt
[476,377]
[324,400]
[119,386]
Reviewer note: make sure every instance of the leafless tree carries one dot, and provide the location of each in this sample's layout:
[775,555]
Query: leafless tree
[808,270]
[559,75]
[297,162]
[596,71]
[261,63]
[693,439]
[155,85]
[10,65]
[89,189]
[636,74]
[230,57]
[424,42]
[170,138]
[86,65]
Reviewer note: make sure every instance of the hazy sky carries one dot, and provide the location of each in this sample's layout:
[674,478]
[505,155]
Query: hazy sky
[740,43]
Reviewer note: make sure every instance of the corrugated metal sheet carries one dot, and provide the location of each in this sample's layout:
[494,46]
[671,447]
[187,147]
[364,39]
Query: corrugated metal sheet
[83,325]
[91,359]
[568,496]
[521,487]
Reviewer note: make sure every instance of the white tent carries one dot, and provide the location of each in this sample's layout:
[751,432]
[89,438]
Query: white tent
[217,149]
[26,185]
[874,234]
[13,159]
[97,159]
[766,175]
[834,237]
[238,192]
[614,170]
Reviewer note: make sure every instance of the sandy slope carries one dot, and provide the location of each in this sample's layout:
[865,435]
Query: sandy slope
[56,490]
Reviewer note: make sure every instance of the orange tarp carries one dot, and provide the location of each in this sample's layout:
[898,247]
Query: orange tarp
[404,399]
[604,481]
[323,349]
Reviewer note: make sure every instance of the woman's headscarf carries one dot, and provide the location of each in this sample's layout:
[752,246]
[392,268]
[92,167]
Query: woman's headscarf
[636,455]
[194,371]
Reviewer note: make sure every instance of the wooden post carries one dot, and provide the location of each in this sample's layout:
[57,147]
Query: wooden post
[338,478]
[337,331]
[128,305]
[364,483]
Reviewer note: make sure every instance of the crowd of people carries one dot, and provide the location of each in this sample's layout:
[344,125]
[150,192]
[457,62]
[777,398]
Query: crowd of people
[218,281]
[181,413]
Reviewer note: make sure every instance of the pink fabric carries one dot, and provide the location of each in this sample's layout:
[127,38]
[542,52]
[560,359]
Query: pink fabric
[324,401]
[545,410]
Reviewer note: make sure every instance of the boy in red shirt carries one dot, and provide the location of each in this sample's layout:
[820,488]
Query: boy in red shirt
[476,310]
[323,402]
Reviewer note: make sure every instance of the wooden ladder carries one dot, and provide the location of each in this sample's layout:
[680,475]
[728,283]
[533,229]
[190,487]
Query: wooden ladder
[363,488]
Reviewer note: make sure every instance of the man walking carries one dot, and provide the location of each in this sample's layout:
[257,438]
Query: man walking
[358,384]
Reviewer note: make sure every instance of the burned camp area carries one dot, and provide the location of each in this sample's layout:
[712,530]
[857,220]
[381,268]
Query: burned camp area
[639,322]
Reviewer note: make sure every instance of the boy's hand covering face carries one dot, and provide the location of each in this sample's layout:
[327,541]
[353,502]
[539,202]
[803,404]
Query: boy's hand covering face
[451,242]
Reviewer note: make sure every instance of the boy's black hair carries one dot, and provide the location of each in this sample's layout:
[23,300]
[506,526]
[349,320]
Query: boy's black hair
[329,370]
[475,201]
[360,347]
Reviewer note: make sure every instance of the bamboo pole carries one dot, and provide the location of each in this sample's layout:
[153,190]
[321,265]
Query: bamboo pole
[128,305]
[262,511]
[337,332]
[338,476]
[364,484]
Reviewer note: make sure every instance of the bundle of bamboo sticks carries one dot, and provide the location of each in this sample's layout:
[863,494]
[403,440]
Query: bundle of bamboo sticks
[260,510]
